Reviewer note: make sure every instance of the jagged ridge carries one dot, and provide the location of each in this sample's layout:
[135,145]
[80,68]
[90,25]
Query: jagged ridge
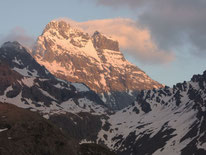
[168,120]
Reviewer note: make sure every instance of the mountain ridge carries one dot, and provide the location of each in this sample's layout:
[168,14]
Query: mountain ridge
[160,121]
[27,84]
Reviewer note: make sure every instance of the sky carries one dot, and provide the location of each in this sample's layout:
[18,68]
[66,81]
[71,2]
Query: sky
[165,38]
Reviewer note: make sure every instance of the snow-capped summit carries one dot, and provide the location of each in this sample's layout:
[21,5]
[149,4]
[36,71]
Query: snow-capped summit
[74,55]
[57,25]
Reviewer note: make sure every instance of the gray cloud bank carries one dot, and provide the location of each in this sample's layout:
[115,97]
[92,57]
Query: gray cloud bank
[20,35]
[173,23]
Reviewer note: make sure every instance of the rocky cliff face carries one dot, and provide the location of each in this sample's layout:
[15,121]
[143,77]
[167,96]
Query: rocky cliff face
[73,55]
[102,42]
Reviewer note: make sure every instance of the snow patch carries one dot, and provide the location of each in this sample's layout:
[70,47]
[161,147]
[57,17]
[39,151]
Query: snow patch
[80,87]
[1,130]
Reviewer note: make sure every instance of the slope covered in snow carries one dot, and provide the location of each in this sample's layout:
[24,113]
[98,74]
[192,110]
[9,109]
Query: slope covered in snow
[29,85]
[73,55]
[165,121]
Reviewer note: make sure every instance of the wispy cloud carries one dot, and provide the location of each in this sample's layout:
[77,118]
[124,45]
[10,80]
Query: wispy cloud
[20,35]
[133,39]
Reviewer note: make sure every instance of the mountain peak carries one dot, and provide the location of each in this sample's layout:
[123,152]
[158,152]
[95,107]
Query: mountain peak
[19,59]
[94,60]
[74,55]
[61,32]
[59,25]
[12,44]
[101,41]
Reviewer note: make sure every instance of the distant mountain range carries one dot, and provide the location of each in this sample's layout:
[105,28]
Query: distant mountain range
[151,121]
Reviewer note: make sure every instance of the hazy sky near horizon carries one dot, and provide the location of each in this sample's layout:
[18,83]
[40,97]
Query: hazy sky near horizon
[165,38]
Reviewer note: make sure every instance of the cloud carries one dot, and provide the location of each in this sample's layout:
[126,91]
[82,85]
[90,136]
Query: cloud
[20,35]
[133,40]
[172,23]
[116,3]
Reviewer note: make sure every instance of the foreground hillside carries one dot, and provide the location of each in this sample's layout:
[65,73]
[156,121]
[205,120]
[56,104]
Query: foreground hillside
[26,133]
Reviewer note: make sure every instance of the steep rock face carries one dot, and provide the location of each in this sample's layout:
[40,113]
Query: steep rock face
[102,42]
[73,55]
[7,77]
[164,121]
